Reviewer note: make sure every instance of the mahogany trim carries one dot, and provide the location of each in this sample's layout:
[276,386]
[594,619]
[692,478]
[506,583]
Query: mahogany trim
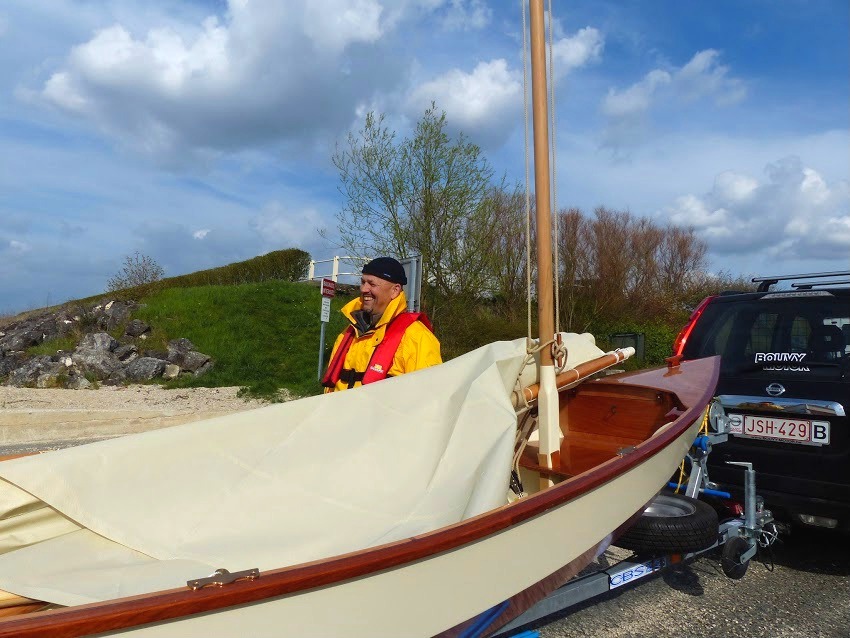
[170,604]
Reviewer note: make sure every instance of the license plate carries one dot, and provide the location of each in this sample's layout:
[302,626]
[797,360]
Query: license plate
[769,428]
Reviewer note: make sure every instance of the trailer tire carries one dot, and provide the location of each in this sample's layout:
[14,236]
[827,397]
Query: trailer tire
[672,523]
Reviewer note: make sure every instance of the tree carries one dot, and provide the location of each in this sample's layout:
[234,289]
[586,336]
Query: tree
[138,270]
[509,261]
[616,265]
[426,195]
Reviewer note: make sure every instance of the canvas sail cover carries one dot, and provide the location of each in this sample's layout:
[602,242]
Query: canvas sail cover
[266,488]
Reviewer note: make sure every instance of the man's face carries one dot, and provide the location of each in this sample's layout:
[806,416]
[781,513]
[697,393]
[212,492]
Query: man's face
[376,294]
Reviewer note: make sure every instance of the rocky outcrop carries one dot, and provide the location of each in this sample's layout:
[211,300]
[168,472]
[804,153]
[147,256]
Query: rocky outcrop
[98,357]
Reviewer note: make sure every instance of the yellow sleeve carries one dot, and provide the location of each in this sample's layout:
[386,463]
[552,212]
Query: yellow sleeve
[419,348]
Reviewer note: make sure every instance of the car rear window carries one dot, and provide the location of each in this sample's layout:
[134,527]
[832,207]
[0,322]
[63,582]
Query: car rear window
[776,336]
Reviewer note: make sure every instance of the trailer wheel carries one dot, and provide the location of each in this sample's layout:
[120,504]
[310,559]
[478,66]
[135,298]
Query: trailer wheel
[672,523]
[730,558]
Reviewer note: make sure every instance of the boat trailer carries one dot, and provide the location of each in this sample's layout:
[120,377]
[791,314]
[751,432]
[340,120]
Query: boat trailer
[739,537]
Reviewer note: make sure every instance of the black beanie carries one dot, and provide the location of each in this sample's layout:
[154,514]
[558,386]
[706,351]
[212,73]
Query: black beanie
[386,268]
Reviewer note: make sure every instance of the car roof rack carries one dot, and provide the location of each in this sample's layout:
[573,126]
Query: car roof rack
[821,284]
[766,282]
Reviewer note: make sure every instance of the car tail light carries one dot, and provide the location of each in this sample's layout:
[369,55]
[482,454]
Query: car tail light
[684,333]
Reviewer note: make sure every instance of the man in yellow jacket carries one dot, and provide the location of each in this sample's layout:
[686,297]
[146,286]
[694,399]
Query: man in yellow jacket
[384,339]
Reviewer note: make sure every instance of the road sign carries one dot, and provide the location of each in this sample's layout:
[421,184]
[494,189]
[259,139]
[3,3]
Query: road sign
[328,289]
[326,309]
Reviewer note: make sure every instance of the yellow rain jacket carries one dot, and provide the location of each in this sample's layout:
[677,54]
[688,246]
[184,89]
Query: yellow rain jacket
[419,348]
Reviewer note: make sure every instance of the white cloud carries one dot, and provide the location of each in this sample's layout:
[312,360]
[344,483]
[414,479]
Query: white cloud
[637,98]
[486,103]
[62,91]
[19,247]
[701,78]
[478,102]
[704,76]
[467,15]
[201,234]
[734,187]
[279,226]
[258,73]
[576,51]
[334,24]
[794,214]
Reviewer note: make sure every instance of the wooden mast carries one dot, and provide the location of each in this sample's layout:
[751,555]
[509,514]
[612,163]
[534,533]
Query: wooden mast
[548,427]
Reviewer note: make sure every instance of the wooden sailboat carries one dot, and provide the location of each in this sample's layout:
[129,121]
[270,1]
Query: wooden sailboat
[603,449]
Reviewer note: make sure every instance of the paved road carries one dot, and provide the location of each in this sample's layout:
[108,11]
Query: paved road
[806,594]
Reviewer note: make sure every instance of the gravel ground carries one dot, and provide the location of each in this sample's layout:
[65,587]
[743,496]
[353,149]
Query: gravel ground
[804,592]
[138,397]
[36,419]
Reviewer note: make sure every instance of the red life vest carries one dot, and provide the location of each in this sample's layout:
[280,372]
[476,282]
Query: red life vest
[381,359]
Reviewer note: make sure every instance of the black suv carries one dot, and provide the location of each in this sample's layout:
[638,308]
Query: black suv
[784,386]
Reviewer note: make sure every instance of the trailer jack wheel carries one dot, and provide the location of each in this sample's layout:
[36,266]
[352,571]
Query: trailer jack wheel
[730,559]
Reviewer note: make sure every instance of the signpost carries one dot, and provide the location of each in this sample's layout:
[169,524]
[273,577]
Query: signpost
[328,291]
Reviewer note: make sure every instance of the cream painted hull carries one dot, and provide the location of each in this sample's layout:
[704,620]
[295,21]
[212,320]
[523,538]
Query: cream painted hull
[432,595]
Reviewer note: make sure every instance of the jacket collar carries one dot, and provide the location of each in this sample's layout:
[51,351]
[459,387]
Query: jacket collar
[396,307]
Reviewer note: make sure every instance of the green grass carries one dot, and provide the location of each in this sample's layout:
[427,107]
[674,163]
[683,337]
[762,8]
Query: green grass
[52,346]
[262,336]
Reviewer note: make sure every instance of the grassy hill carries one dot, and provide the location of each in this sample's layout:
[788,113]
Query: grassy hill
[263,331]
[262,336]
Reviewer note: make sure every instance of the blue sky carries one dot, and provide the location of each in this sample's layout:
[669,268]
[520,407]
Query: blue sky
[200,133]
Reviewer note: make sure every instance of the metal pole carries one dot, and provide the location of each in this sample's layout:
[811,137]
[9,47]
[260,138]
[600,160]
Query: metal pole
[321,350]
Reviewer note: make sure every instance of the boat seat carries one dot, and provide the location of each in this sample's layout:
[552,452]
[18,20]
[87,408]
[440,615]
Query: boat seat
[579,452]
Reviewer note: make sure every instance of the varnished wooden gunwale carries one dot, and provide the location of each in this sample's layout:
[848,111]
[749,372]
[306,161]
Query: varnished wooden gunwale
[696,381]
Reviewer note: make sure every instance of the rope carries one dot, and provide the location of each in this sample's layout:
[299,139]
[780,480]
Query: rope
[527,168]
[521,440]
[703,429]
[553,154]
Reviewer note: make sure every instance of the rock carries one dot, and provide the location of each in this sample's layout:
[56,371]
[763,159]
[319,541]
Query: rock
[178,349]
[30,371]
[9,362]
[194,361]
[136,328]
[145,369]
[100,363]
[77,382]
[97,341]
[98,358]
[182,352]
[48,380]
[172,371]
[126,352]
[115,313]
[204,368]
[21,340]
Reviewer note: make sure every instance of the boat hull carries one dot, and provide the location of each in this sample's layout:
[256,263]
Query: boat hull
[427,585]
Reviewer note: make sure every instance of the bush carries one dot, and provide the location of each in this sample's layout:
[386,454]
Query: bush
[657,341]
[290,264]
[138,270]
